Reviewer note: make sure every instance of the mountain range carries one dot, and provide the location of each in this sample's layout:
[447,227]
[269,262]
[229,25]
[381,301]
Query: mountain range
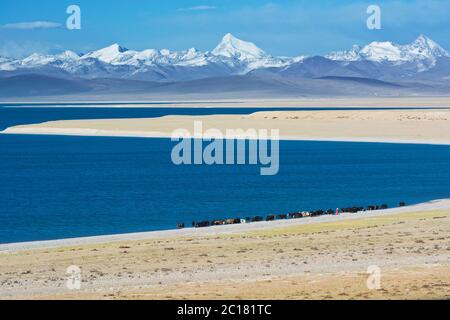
[232,68]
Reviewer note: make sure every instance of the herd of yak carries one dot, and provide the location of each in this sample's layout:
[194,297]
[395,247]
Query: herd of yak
[294,215]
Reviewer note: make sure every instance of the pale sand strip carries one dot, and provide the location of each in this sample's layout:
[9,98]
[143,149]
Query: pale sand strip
[222,230]
[396,126]
[341,102]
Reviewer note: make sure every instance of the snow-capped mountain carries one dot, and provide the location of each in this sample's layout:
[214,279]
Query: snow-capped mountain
[351,55]
[4,59]
[232,56]
[232,47]
[247,55]
[423,48]
[239,55]
[5,64]
[111,54]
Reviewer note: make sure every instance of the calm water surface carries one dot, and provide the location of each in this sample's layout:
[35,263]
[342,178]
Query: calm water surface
[58,187]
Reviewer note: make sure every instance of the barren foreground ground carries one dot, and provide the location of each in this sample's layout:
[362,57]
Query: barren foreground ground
[324,260]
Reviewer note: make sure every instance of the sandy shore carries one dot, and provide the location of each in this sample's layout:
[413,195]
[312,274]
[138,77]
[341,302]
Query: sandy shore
[443,204]
[342,102]
[401,126]
[324,258]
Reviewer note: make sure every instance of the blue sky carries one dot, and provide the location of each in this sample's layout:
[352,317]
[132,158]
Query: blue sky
[284,27]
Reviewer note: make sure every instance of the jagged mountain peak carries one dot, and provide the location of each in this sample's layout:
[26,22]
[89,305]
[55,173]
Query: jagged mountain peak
[423,40]
[422,48]
[68,54]
[107,54]
[351,55]
[115,47]
[381,51]
[229,37]
[426,47]
[232,47]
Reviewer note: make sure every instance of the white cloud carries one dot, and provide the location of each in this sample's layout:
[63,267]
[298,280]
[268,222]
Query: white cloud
[197,8]
[32,25]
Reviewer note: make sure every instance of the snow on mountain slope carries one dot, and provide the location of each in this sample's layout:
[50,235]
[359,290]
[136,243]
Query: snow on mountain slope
[246,54]
[424,48]
[5,60]
[191,57]
[109,54]
[421,49]
[351,55]
[68,55]
[120,56]
[37,59]
[6,64]
[232,47]
[381,51]
[233,56]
